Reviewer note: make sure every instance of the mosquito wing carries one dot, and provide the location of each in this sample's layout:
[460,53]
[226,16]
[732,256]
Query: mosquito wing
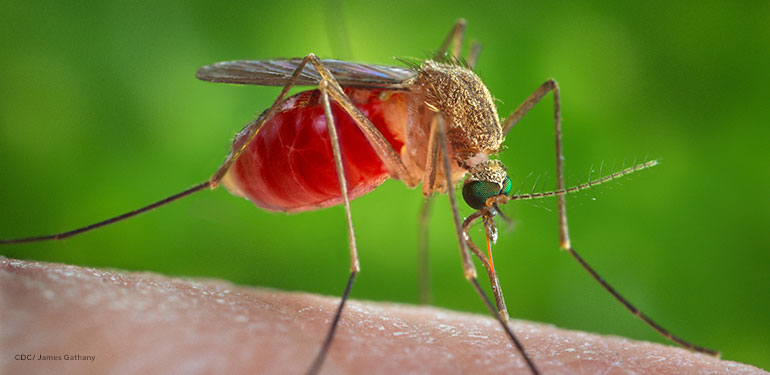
[277,73]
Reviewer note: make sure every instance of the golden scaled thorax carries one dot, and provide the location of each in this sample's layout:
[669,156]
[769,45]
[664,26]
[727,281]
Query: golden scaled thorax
[473,127]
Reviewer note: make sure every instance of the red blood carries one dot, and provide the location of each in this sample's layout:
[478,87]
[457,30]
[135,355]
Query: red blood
[290,166]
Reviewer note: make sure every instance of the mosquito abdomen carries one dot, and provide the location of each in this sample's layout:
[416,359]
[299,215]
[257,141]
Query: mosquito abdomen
[290,167]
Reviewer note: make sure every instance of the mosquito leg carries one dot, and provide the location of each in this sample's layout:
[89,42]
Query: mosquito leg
[453,43]
[423,265]
[384,150]
[429,180]
[664,332]
[112,220]
[253,127]
[354,264]
[212,182]
[510,121]
[528,103]
[468,268]
[564,239]
[473,58]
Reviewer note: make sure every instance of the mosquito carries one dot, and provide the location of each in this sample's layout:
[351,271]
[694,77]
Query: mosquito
[430,122]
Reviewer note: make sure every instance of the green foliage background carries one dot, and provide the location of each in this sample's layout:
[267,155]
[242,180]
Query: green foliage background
[100,113]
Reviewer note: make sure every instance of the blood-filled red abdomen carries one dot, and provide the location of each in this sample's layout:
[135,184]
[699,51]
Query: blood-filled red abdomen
[290,166]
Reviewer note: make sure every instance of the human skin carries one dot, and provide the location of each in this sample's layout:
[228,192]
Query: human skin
[151,324]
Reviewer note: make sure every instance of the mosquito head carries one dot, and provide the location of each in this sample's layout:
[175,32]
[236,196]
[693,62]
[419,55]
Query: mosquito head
[488,179]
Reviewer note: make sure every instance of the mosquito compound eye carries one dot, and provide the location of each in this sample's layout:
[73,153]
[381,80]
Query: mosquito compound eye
[506,186]
[476,193]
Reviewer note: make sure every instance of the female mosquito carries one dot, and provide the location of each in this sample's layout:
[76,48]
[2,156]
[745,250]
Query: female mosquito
[431,122]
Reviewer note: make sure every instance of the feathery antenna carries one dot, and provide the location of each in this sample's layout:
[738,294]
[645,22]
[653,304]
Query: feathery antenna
[501,199]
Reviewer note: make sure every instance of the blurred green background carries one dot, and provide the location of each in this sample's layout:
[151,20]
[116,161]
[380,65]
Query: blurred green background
[100,113]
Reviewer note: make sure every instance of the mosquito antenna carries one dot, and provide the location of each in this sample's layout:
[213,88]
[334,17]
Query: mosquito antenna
[502,199]
[112,220]
[523,182]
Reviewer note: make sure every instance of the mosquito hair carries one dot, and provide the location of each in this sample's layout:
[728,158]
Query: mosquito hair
[545,205]
[521,187]
[413,63]
[539,187]
[501,199]
[601,168]
[534,186]
[447,58]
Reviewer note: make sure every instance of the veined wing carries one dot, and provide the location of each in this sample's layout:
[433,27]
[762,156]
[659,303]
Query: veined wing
[278,71]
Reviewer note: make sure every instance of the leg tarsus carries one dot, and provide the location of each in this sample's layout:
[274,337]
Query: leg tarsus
[468,268]
[504,324]
[564,240]
[321,356]
[657,327]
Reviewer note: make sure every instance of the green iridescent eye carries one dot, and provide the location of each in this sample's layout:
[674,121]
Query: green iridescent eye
[506,186]
[476,193]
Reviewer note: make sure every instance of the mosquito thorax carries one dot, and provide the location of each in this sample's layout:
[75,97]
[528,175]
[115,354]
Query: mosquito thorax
[487,179]
[467,106]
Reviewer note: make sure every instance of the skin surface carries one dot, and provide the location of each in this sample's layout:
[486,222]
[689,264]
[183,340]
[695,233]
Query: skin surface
[148,323]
